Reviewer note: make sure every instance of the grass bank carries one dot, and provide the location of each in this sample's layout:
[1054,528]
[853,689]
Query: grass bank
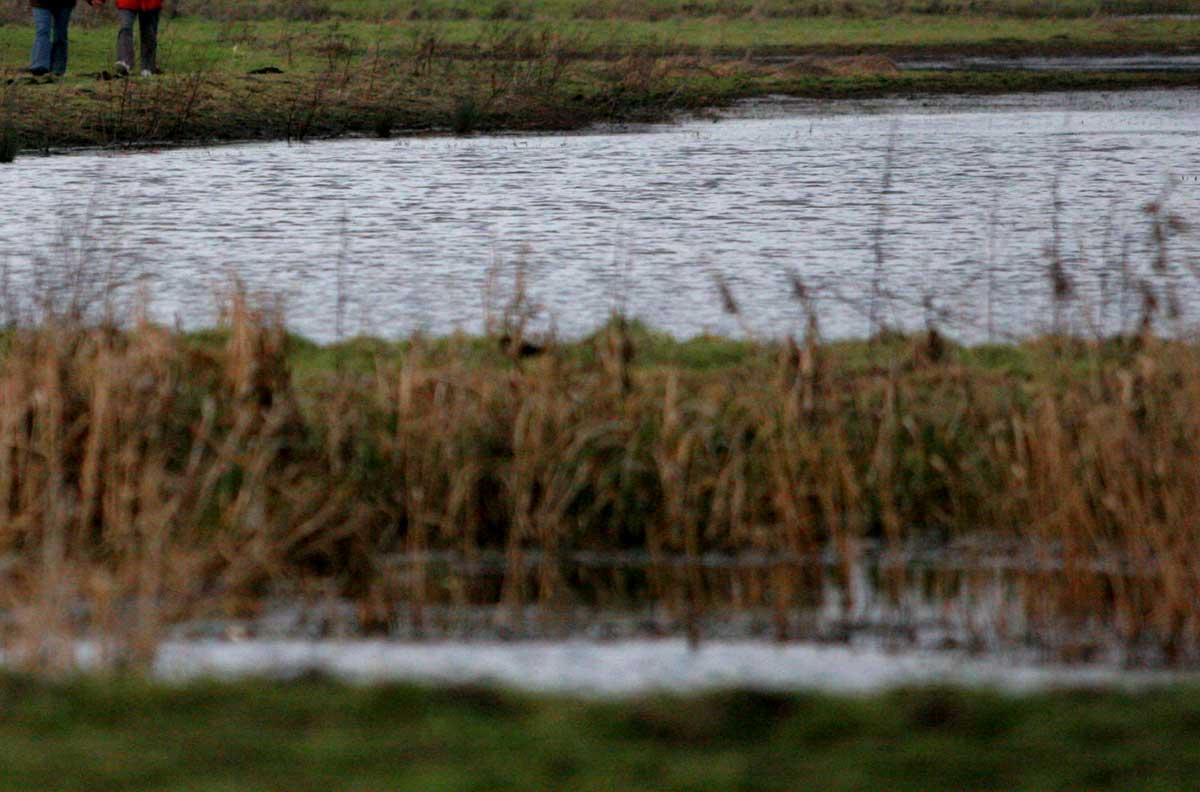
[157,476]
[317,735]
[338,68]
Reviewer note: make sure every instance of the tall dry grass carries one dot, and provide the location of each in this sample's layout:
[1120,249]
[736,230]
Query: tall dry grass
[146,477]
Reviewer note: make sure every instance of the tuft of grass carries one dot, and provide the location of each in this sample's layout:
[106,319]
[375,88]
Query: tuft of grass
[10,142]
[466,115]
[385,122]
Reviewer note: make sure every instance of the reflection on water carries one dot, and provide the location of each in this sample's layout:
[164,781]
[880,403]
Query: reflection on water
[981,596]
[403,234]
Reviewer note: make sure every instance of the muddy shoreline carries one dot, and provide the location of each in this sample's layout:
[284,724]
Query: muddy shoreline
[262,115]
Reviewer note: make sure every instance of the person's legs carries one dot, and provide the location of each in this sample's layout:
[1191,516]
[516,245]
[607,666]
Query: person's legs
[58,51]
[148,29]
[43,23]
[125,39]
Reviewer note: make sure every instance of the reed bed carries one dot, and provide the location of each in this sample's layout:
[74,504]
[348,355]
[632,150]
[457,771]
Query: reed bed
[1044,493]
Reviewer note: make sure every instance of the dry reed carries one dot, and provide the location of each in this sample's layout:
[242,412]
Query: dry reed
[146,478]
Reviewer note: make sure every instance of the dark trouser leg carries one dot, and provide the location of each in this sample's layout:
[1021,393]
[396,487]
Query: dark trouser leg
[58,50]
[43,23]
[148,28]
[125,37]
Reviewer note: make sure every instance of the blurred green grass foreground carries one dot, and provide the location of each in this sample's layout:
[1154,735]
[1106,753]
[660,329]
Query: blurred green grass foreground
[315,734]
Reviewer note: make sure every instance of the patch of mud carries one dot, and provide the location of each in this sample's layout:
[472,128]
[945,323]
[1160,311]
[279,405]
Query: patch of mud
[847,66]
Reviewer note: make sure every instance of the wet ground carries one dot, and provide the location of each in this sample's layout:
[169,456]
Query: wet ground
[959,618]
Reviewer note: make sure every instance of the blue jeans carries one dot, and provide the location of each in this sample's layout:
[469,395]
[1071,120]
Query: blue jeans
[50,39]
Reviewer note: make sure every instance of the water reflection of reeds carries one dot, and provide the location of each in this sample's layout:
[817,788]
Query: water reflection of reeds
[974,597]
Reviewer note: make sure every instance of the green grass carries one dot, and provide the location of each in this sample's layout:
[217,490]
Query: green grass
[190,42]
[663,9]
[712,354]
[317,735]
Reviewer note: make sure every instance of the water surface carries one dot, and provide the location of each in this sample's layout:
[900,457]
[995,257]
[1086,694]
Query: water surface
[901,210]
[631,667]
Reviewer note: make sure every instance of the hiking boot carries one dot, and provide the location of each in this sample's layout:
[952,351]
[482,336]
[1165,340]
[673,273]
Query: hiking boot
[122,69]
[39,71]
[147,73]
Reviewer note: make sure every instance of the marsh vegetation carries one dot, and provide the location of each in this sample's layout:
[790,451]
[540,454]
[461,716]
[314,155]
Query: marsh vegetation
[1039,494]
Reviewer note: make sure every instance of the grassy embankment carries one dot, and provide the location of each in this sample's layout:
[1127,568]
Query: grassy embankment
[382,68]
[156,476]
[315,735]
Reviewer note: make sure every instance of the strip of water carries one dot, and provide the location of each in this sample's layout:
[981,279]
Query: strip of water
[905,212]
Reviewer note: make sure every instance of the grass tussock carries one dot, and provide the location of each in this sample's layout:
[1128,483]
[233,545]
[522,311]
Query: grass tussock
[10,143]
[148,476]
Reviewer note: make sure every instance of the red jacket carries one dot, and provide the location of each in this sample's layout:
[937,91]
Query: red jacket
[140,5]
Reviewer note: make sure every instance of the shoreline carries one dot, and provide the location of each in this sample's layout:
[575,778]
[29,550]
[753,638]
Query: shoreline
[573,114]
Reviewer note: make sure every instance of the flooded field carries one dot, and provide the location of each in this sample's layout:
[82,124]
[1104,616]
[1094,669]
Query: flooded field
[975,617]
[927,208]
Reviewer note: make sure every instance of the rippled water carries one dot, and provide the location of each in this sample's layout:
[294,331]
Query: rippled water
[421,233]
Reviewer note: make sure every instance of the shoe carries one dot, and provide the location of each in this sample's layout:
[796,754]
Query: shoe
[147,73]
[38,71]
[122,69]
